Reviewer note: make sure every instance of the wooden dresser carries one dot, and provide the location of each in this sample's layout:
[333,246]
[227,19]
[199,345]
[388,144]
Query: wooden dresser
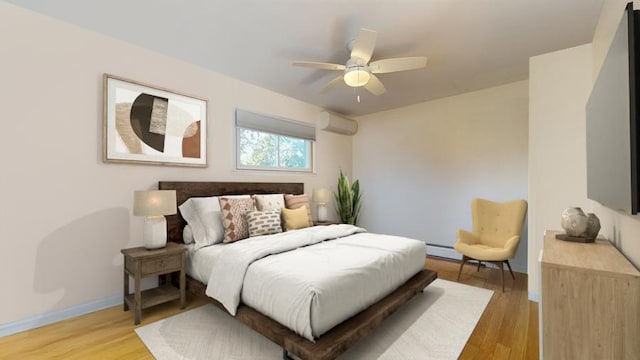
[590,301]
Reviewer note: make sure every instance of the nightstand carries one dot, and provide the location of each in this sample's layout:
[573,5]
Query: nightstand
[316,223]
[140,263]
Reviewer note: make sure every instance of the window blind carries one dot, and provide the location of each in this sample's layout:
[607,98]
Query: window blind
[248,120]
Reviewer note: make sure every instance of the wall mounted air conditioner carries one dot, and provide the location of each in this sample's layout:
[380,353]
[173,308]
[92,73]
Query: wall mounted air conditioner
[336,123]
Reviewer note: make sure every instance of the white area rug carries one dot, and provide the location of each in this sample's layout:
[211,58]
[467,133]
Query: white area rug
[432,325]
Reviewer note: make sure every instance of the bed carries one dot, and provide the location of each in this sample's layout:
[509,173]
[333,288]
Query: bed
[331,336]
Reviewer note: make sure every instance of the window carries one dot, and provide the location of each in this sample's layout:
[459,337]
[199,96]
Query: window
[267,143]
[262,150]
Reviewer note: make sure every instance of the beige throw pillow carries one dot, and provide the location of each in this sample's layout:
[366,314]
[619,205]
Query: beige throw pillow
[269,202]
[295,218]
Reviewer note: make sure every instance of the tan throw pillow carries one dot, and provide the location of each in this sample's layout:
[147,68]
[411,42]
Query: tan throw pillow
[297,201]
[234,219]
[264,222]
[269,202]
[295,218]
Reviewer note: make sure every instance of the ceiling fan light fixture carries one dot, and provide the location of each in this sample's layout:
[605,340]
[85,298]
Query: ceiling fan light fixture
[356,76]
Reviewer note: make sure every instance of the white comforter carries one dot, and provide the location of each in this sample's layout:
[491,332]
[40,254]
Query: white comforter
[310,289]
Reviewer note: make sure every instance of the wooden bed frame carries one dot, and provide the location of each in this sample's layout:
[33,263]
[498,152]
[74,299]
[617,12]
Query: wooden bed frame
[334,342]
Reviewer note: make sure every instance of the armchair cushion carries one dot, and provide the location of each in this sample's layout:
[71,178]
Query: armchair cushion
[484,252]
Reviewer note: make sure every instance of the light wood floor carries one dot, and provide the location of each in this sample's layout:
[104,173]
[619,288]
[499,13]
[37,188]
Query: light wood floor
[508,328]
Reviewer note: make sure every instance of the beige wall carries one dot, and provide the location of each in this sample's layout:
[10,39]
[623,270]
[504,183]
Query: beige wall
[420,165]
[559,85]
[65,214]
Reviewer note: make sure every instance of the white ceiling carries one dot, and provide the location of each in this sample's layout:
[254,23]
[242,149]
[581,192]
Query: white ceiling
[471,44]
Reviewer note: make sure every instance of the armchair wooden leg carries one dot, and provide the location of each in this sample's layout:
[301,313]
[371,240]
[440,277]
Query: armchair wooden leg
[511,271]
[479,263]
[464,260]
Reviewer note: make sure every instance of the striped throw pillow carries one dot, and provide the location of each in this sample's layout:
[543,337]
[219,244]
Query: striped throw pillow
[297,201]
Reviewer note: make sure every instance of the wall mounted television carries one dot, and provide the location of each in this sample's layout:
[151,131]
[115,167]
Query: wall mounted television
[612,122]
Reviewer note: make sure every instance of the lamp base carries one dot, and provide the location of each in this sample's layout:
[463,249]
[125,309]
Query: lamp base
[322,212]
[155,232]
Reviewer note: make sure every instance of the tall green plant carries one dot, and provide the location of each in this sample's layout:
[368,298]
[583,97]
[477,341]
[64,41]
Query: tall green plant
[348,200]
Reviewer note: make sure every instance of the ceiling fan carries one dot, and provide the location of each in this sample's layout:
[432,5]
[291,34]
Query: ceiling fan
[358,71]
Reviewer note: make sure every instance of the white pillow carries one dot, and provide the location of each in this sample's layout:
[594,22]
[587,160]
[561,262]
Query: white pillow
[187,234]
[203,214]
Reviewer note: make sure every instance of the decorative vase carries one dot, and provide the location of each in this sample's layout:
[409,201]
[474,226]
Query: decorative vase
[593,226]
[574,221]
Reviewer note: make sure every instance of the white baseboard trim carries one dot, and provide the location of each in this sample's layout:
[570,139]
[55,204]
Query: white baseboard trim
[450,253]
[58,315]
[519,268]
[444,252]
[534,297]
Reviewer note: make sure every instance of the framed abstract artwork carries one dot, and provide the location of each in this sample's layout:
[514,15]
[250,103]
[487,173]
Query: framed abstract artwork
[145,124]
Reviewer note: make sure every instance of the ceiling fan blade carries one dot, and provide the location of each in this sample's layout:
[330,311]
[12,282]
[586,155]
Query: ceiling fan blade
[375,86]
[337,80]
[364,44]
[319,65]
[397,64]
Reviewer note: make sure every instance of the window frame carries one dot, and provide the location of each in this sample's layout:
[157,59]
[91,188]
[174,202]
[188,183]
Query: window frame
[278,168]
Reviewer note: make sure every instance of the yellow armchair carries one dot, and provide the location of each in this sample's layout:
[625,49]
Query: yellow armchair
[495,236]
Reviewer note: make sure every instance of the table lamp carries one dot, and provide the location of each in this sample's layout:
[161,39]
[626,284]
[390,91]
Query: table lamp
[154,204]
[322,197]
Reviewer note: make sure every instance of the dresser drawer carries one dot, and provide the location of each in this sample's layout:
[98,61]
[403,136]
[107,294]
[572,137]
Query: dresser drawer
[162,265]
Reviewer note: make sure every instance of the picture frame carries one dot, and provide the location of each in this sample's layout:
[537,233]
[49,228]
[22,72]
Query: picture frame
[146,124]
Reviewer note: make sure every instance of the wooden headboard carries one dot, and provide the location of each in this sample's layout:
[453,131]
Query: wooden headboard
[187,189]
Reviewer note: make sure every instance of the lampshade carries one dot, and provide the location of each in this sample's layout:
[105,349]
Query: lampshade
[154,202]
[356,76]
[321,196]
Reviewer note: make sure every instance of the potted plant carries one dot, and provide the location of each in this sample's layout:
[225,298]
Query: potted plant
[348,200]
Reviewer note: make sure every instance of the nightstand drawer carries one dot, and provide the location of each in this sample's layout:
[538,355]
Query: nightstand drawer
[157,266]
